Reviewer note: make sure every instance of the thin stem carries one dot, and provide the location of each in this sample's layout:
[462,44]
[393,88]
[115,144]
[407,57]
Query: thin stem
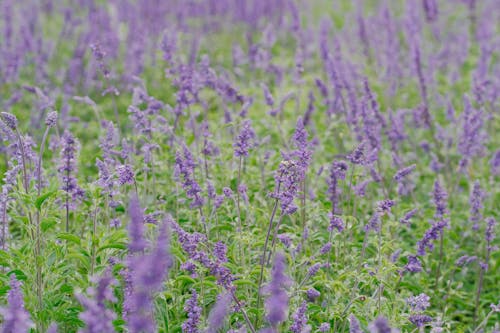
[262,258]
[94,231]
[303,211]
[441,250]
[480,285]
[379,250]
[273,243]
[238,195]
[23,157]
[484,322]
[240,308]
[38,236]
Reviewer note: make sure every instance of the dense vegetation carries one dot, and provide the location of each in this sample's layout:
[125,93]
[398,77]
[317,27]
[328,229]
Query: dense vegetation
[249,166]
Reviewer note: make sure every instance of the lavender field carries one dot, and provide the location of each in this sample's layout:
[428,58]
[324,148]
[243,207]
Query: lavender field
[255,166]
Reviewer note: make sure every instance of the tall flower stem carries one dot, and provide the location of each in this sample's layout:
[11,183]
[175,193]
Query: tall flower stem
[379,269]
[273,243]
[38,233]
[238,195]
[303,210]
[93,247]
[245,315]
[480,283]
[23,157]
[262,258]
[441,253]
[238,208]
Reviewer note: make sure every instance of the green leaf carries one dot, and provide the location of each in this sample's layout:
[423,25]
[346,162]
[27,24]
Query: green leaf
[4,258]
[48,224]
[69,237]
[19,274]
[120,246]
[41,199]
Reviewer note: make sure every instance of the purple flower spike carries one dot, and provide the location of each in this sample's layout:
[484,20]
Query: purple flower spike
[402,173]
[420,320]
[96,316]
[440,198]
[219,313]
[419,302]
[10,120]
[15,316]
[193,311]
[68,168]
[299,319]
[476,204]
[51,119]
[277,302]
[125,174]
[243,140]
[380,325]
[354,326]
[136,226]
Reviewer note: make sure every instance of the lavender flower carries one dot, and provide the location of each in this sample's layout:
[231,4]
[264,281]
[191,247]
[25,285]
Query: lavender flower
[193,311]
[465,260]
[302,153]
[218,313]
[285,240]
[326,248]
[96,316]
[358,155]
[243,140]
[145,275]
[495,163]
[360,189]
[384,206]
[324,327]
[431,10]
[267,95]
[10,120]
[277,302]
[373,223]
[299,319]
[432,234]
[419,319]
[68,169]
[312,294]
[402,173]
[314,269]
[490,231]
[335,223]
[354,326]
[338,171]
[184,164]
[419,302]
[414,265]
[228,193]
[380,325]
[125,174]
[287,178]
[440,200]
[476,204]
[472,137]
[136,226]
[15,317]
[51,119]
[408,216]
